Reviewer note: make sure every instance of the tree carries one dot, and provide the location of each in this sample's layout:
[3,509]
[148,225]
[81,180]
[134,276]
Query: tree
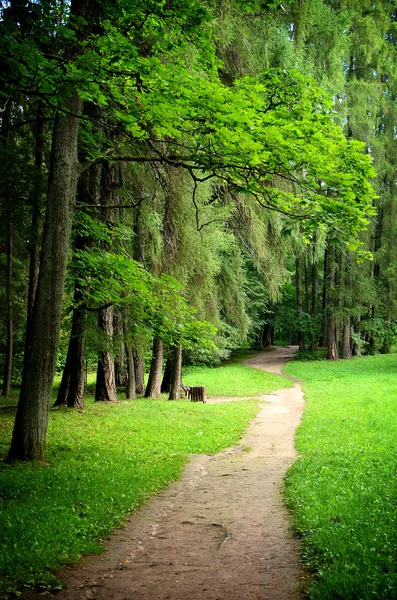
[270,136]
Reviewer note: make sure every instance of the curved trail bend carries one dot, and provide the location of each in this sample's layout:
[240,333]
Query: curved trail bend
[219,533]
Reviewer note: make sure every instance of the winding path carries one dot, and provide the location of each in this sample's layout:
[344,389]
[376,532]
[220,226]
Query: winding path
[219,533]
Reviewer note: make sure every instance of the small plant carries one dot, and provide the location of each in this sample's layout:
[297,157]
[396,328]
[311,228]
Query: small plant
[305,355]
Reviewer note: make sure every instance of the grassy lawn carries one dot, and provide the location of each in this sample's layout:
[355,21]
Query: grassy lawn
[102,463]
[234,379]
[343,490]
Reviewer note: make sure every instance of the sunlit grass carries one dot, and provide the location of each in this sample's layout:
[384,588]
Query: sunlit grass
[102,464]
[234,380]
[343,490]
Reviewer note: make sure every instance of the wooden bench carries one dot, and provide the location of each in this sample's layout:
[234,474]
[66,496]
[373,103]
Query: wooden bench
[196,393]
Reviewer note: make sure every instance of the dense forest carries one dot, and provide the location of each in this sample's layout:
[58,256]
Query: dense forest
[180,178]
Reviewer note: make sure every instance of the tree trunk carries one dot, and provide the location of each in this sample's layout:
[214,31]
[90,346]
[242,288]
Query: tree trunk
[267,335]
[71,390]
[299,304]
[77,345]
[339,267]
[36,213]
[7,190]
[139,369]
[130,388]
[332,343]
[314,302]
[62,396]
[323,339]
[356,350]
[166,382]
[346,347]
[120,363]
[31,421]
[106,377]
[176,377]
[331,333]
[307,285]
[153,388]
[10,325]
[105,390]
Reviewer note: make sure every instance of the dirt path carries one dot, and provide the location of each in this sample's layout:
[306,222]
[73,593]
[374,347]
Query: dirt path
[219,533]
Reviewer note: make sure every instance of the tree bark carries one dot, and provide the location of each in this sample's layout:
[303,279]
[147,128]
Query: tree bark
[307,284]
[10,324]
[346,346]
[166,382]
[71,390]
[105,390]
[153,388]
[314,303]
[331,333]
[356,350]
[130,388]
[120,368]
[299,302]
[7,190]
[31,421]
[267,335]
[139,369]
[35,224]
[176,377]
[332,343]
[62,396]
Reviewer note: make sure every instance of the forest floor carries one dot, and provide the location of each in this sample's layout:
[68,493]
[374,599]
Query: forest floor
[222,532]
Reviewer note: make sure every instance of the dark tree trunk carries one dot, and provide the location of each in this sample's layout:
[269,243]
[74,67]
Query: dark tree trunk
[120,363]
[323,339]
[130,388]
[71,390]
[105,390]
[299,302]
[77,375]
[153,388]
[331,333]
[314,294]
[10,325]
[139,368]
[31,421]
[106,377]
[307,285]
[339,266]
[166,382]
[62,396]
[36,214]
[176,377]
[332,342]
[346,346]
[267,335]
[7,216]
[356,350]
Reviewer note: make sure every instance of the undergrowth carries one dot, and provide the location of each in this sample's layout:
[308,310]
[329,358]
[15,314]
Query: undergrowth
[343,489]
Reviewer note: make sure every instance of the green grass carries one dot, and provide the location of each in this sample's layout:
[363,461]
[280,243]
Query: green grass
[343,489]
[103,462]
[234,380]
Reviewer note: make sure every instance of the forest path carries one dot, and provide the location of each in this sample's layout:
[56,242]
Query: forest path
[221,532]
